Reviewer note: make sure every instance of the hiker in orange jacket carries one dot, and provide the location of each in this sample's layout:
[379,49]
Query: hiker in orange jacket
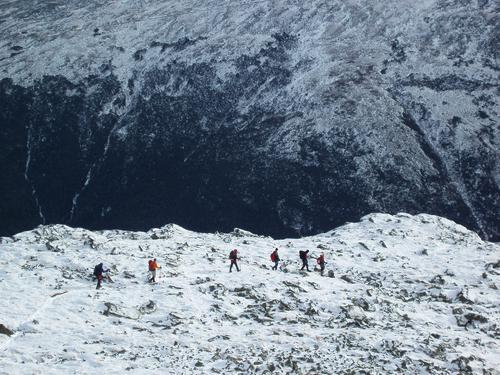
[153,266]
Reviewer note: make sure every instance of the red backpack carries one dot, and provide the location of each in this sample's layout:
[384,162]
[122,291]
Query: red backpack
[273,256]
[232,254]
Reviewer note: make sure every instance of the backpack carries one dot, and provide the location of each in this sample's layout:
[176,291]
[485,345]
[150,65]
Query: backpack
[150,265]
[273,257]
[232,254]
[98,269]
[302,254]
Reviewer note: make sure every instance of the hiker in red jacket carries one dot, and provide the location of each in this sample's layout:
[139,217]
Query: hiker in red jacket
[321,261]
[275,258]
[233,255]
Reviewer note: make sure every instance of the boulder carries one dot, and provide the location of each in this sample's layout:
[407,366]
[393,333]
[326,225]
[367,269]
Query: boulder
[5,331]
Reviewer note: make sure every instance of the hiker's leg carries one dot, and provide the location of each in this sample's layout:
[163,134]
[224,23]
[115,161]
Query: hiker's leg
[99,280]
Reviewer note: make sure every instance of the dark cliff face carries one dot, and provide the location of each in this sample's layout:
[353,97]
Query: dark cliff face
[180,142]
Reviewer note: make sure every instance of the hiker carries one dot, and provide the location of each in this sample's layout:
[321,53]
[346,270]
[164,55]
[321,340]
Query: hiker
[153,266]
[321,261]
[275,258]
[233,255]
[303,256]
[98,273]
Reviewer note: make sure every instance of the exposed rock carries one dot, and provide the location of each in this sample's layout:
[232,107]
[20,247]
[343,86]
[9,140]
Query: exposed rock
[5,331]
[468,319]
[294,286]
[438,279]
[353,315]
[148,308]
[200,280]
[237,232]
[493,265]
[462,296]
[67,274]
[54,247]
[363,303]
[364,246]
[463,364]
[121,312]
[347,278]
[170,322]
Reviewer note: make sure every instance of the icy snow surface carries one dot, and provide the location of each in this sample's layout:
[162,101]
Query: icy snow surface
[411,294]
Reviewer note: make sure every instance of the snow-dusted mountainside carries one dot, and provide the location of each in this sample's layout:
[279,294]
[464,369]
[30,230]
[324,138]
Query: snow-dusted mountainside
[281,117]
[411,294]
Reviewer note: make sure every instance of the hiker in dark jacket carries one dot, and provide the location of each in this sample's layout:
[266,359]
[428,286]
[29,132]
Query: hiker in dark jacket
[303,256]
[233,256]
[99,270]
[275,258]
[321,262]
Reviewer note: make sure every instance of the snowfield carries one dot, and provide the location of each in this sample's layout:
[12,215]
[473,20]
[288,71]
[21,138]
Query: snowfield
[411,294]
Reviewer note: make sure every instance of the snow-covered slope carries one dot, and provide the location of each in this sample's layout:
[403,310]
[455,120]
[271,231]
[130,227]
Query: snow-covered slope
[281,117]
[411,294]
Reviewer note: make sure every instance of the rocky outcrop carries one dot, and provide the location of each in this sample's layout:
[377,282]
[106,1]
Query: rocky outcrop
[5,331]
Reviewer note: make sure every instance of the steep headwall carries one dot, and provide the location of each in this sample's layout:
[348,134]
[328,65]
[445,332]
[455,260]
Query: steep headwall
[285,119]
